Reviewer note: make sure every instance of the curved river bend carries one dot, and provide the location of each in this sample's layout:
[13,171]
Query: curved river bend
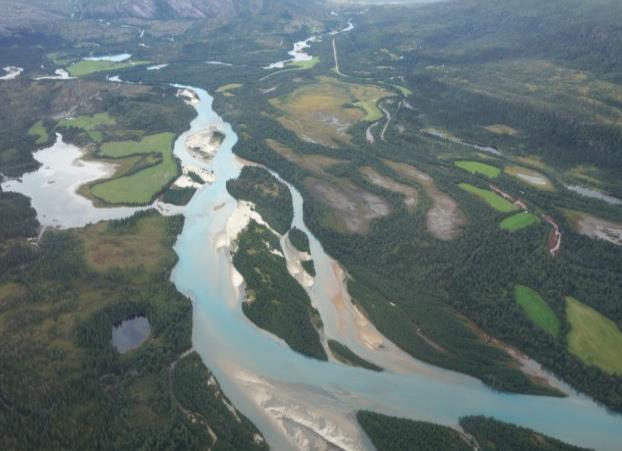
[297,402]
[300,402]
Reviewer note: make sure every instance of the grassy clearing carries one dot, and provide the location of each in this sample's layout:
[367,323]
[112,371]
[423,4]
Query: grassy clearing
[537,310]
[138,247]
[230,87]
[160,143]
[83,67]
[531,177]
[494,200]
[91,124]
[323,111]
[501,129]
[372,112]
[476,167]
[59,58]
[304,65]
[403,89]
[518,221]
[39,131]
[593,337]
[142,187]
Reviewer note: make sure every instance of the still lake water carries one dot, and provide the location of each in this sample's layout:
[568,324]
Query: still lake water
[130,334]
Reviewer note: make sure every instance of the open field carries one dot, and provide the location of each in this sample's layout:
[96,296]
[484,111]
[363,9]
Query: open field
[594,338]
[83,67]
[38,131]
[160,143]
[595,227]
[141,187]
[90,124]
[225,89]
[494,200]
[476,167]
[409,193]
[537,310]
[519,221]
[138,247]
[531,177]
[444,220]
[303,65]
[323,111]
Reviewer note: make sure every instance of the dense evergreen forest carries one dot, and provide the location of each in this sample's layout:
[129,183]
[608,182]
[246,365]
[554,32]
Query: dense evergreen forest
[271,198]
[63,385]
[398,434]
[275,301]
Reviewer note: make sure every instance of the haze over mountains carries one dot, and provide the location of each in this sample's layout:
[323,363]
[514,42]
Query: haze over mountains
[31,14]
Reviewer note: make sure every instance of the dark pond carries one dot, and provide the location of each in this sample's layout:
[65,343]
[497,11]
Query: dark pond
[130,334]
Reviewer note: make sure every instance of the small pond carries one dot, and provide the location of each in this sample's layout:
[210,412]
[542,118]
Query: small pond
[130,334]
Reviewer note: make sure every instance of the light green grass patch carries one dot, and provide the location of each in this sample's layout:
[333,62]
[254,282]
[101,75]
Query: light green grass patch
[593,337]
[372,112]
[303,65]
[403,89]
[59,58]
[494,200]
[229,87]
[518,221]
[84,67]
[141,187]
[476,167]
[91,124]
[537,310]
[38,131]
[159,143]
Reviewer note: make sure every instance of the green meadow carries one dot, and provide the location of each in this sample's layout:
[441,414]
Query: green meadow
[309,64]
[141,187]
[519,221]
[476,167]
[494,200]
[91,124]
[537,309]
[594,338]
[38,131]
[84,67]
[160,143]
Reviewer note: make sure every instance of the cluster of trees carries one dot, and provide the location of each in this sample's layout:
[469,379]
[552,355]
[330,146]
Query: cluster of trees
[272,198]
[275,300]
[178,196]
[492,435]
[19,219]
[194,389]
[392,434]
[299,239]
[346,355]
